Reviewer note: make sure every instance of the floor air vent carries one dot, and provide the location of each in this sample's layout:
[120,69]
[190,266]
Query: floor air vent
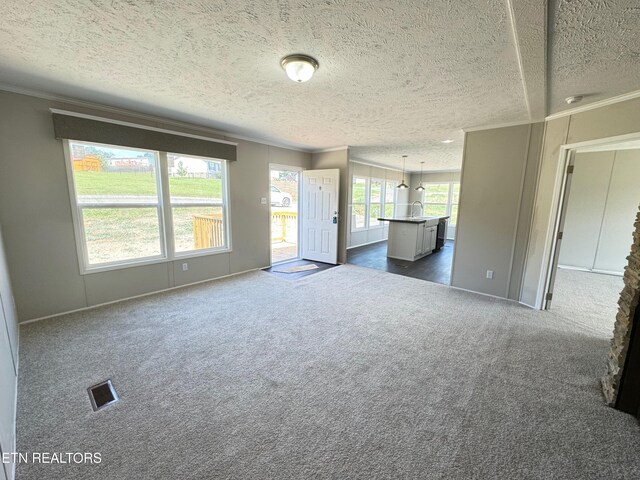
[102,395]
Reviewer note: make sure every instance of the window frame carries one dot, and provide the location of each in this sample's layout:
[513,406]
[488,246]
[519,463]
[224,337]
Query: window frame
[164,209]
[367,203]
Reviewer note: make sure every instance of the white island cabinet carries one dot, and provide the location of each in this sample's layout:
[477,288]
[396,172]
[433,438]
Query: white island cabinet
[412,238]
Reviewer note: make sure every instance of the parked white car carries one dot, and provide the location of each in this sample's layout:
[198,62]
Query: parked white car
[278,197]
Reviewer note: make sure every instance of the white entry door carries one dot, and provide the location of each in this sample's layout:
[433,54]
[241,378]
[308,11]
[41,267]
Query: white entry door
[320,215]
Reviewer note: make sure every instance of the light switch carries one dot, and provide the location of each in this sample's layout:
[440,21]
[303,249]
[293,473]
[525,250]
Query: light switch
[263,200]
[490,274]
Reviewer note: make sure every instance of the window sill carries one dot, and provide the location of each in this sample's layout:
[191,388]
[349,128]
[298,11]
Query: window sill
[151,261]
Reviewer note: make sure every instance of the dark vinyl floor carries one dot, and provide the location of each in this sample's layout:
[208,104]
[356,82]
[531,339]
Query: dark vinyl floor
[433,268]
[297,263]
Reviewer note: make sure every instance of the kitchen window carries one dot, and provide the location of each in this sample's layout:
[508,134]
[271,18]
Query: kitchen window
[134,206]
[441,199]
[371,198]
[375,202]
[359,203]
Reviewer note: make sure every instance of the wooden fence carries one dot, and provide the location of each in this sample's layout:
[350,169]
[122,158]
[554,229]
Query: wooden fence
[208,230]
[284,225]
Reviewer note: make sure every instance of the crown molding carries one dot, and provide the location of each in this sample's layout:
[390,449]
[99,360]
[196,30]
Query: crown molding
[332,149]
[376,165]
[499,125]
[592,106]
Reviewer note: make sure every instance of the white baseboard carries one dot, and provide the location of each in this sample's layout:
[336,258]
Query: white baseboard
[592,270]
[368,243]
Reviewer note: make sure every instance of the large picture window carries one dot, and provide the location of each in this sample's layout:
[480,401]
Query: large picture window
[371,198]
[139,206]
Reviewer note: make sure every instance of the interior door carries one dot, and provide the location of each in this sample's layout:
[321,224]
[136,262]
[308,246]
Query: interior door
[563,213]
[320,195]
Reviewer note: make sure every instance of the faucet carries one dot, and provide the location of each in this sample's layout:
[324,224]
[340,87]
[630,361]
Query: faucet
[414,204]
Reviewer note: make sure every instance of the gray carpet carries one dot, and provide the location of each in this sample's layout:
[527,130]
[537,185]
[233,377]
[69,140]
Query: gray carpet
[590,300]
[350,373]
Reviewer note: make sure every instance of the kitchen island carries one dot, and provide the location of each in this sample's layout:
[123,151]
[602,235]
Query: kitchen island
[411,238]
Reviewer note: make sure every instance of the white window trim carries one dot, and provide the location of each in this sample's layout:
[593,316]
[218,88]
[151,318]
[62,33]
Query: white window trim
[165,218]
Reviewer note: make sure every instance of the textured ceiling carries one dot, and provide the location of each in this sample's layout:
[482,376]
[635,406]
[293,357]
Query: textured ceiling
[395,77]
[594,50]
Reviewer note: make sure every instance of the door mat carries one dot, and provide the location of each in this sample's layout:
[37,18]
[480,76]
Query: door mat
[301,268]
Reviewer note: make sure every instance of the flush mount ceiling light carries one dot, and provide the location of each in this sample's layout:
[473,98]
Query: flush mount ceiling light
[446,141]
[420,188]
[403,185]
[573,99]
[300,68]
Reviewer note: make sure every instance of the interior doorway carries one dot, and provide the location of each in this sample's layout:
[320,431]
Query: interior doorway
[594,233]
[284,195]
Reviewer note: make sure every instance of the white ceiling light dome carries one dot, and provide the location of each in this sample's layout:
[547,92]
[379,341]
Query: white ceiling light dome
[300,68]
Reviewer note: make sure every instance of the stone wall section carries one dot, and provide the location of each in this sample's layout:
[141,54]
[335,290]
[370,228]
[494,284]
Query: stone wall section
[627,305]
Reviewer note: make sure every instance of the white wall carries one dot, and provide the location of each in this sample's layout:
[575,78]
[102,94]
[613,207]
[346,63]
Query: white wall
[602,206]
[377,233]
[35,211]
[8,364]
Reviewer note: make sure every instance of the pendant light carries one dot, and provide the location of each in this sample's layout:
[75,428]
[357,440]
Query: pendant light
[403,185]
[420,188]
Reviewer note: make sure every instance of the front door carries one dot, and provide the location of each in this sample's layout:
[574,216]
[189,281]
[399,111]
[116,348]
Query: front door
[320,215]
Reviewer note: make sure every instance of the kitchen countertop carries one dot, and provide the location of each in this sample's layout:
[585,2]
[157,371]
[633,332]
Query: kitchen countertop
[410,219]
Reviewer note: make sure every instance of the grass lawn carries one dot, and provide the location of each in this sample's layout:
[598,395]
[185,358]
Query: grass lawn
[109,231]
[128,183]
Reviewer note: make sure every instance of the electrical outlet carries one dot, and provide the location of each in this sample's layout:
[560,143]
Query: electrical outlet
[263,200]
[185,267]
[490,274]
